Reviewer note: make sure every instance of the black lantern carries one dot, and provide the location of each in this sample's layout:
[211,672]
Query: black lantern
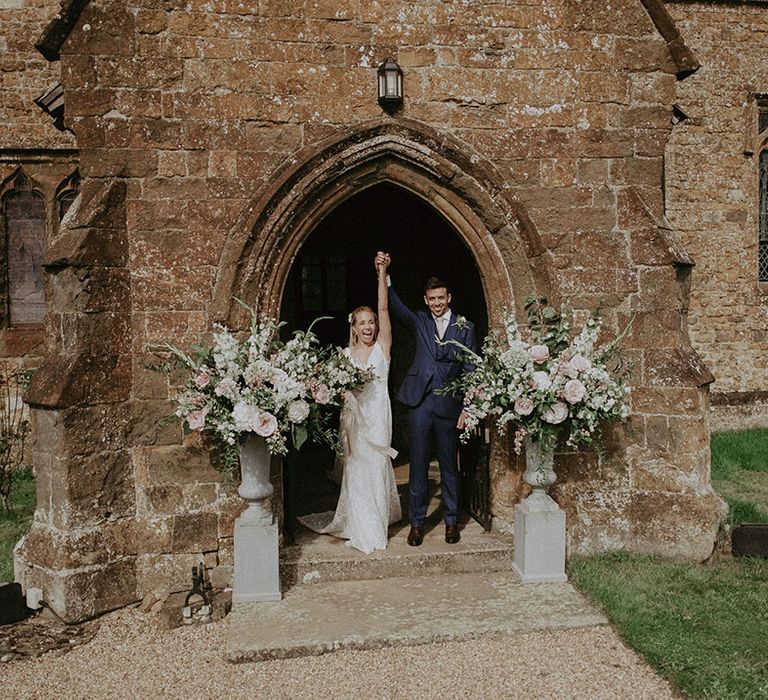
[390,85]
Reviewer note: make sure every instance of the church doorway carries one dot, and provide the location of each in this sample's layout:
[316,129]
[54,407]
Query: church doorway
[333,273]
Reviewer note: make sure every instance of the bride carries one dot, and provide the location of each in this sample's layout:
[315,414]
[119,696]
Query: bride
[368,502]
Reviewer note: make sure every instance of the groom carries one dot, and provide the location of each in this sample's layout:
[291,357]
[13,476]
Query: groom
[431,414]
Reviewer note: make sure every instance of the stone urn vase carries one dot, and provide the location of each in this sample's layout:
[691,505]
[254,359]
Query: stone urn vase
[539,471]
[255,484]
[257,558]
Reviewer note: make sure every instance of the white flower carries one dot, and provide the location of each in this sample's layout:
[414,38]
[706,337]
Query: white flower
[524,406]
[298,411]
[278,376]
[541,380]
[556,413]
[539,353]
[196,419]
[565,369]
[574,391]
[227,388]
[246,417]
[266,425]
[580,363]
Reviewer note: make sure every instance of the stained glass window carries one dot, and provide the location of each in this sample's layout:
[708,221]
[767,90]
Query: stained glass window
[25,227]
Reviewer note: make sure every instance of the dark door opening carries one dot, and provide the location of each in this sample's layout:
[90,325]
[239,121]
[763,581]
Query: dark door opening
[334,273]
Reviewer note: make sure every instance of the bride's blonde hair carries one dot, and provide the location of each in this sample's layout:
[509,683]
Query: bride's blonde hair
[353,317]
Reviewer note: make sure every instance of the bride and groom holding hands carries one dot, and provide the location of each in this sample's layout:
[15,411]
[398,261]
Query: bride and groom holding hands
[368,501]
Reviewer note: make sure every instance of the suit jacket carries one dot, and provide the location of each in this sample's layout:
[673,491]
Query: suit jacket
[433,365]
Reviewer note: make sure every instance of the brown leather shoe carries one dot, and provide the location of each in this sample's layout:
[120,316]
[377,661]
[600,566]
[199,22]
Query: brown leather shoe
[415,536]
[452,535]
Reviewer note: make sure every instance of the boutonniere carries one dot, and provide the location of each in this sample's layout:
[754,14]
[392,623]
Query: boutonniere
[460,323]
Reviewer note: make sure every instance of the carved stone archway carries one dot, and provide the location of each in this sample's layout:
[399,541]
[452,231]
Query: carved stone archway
[464,189]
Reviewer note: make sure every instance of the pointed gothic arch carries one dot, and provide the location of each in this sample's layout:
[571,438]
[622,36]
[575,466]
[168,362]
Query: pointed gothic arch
[466,190]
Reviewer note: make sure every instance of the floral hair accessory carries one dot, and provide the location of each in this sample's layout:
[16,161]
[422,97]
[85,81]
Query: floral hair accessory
[349,318]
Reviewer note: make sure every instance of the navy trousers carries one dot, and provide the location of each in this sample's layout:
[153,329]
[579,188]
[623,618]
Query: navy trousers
[424,424]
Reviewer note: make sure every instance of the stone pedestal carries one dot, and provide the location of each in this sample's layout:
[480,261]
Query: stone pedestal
[539,540]
[257,575]
[257,558]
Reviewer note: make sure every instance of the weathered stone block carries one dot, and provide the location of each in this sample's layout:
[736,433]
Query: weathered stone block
[80,380]
[194,532]
[91,488]
[179,464]
[165,572]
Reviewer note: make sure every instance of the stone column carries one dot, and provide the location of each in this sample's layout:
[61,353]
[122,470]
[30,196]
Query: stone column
[79,550]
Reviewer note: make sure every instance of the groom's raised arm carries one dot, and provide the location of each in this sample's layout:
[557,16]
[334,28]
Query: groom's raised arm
[400,310]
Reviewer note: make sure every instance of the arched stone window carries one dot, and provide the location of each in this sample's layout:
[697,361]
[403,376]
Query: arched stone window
[67,191]
[26,237]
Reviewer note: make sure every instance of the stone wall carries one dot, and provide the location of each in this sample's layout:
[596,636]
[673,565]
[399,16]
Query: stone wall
[712,201]
[28,140]
[210,136]
[26,75]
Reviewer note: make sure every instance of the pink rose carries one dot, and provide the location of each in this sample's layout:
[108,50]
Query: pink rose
[196,419]
[321,394]
[524,406]
[539,353]
[574,391]
[202,380]
[580,363]
[266,424]
[541,380]
[555,414]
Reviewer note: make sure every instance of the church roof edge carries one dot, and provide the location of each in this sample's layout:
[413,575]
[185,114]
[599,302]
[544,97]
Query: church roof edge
[55,34]
[684,58]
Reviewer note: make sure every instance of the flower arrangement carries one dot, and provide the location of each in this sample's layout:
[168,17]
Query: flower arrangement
[261,385]
[543,381]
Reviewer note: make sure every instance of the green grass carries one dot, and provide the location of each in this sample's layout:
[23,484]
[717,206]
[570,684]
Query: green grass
[14,524]
[742,450]
[740,474]
[704,627]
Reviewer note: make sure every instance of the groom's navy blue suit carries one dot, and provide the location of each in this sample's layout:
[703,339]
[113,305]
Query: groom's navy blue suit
[433,366]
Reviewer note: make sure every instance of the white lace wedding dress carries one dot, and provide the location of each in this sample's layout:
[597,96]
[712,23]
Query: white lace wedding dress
[368,502]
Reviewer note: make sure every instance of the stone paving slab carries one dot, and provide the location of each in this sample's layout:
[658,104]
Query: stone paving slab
[321,618]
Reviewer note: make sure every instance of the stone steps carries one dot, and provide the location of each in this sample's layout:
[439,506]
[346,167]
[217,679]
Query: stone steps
[321,558]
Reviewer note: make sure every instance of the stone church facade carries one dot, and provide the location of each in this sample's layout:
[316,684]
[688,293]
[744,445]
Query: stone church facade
[595,154]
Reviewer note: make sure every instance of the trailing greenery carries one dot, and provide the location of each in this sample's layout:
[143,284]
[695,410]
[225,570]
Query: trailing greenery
[740,474]
[16,522]
[701,626]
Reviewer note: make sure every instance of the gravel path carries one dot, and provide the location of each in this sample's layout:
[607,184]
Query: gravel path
[131,658]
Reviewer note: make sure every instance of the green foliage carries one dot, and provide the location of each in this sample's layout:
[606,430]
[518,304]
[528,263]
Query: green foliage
[15,522]
[546,325]
[701,626]
[14,426]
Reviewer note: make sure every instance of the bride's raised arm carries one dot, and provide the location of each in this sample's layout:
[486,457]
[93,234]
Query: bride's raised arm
[385,325]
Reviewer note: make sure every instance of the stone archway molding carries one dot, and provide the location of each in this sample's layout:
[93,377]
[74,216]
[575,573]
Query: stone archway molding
[465,189]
